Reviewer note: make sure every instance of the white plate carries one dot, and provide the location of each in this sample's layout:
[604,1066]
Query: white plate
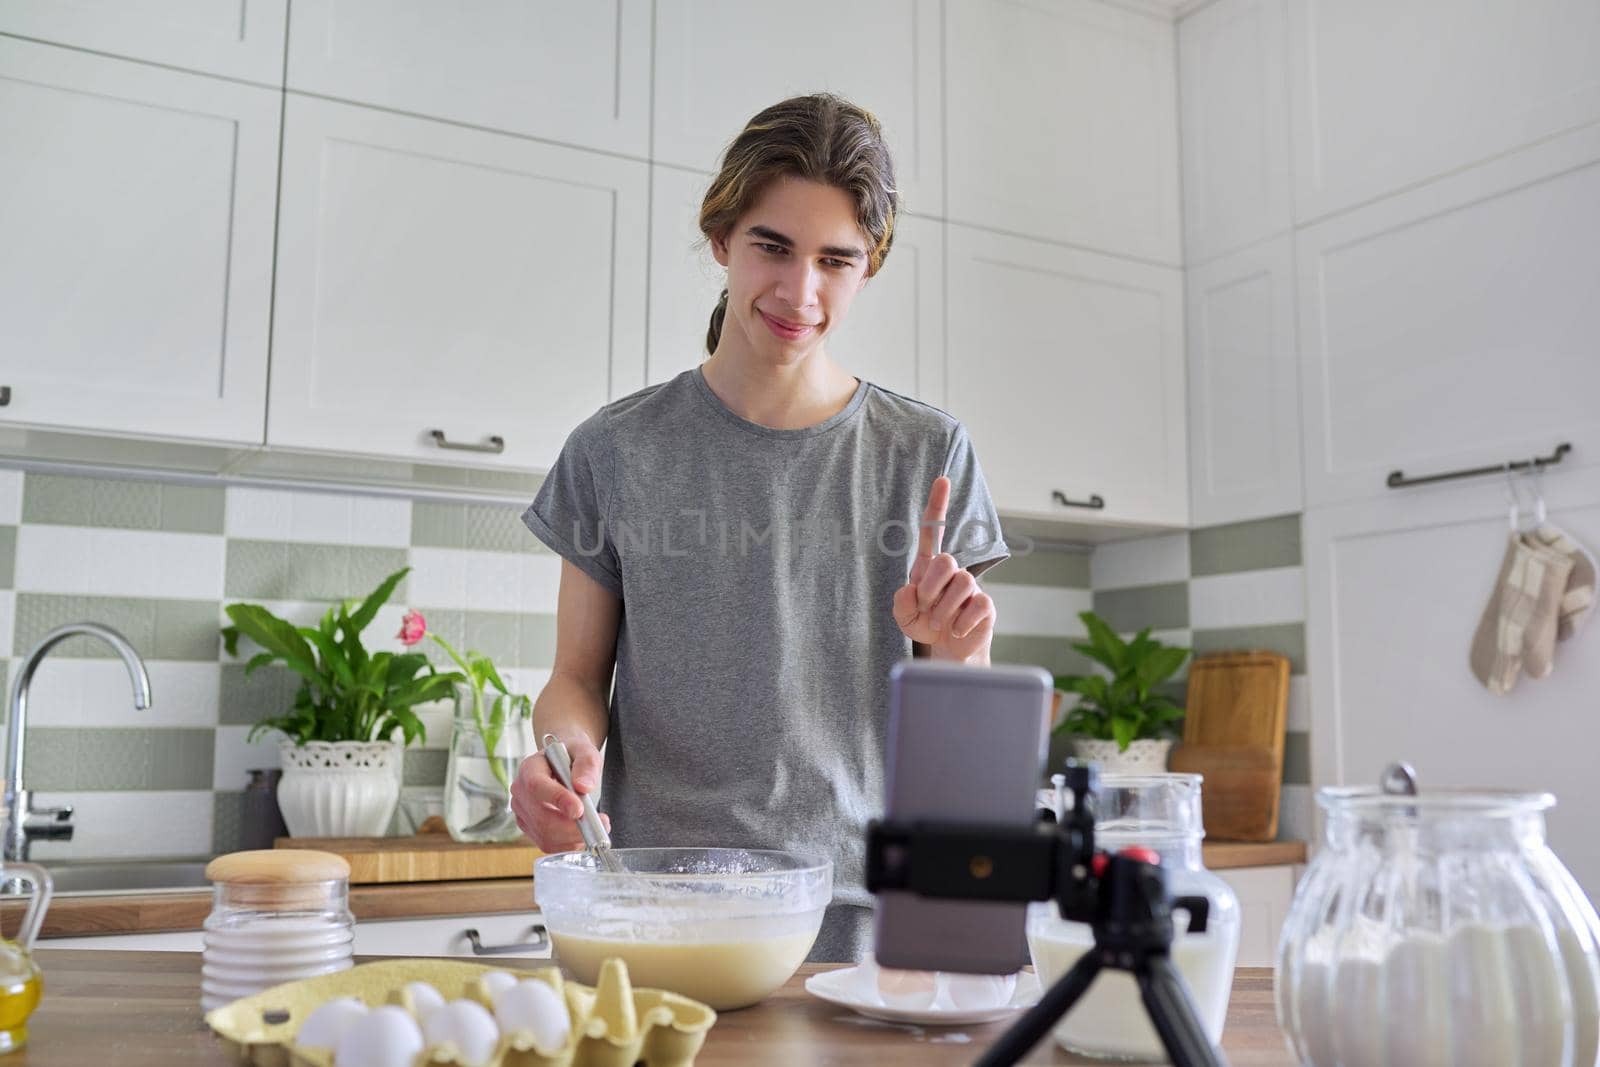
[839,987]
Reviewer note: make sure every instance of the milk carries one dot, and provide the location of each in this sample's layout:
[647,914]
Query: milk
[1110,1019]
[1486,995]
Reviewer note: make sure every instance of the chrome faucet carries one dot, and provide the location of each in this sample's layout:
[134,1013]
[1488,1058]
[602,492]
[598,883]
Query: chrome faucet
[24,822]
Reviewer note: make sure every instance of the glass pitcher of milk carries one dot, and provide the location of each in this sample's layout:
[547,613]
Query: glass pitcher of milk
[1160,812]
[1438,929]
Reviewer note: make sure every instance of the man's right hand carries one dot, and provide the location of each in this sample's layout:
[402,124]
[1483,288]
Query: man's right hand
[546,810]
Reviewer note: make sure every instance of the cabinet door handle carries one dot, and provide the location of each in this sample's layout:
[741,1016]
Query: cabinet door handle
[494,444]
[5,395]
[1095,500]
[540,941]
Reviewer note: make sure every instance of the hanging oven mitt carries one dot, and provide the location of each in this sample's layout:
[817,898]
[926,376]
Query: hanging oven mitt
[1577,602]
[1518,629]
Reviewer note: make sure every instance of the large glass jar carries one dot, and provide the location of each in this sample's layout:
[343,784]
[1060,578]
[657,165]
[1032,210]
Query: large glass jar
[1160,812]
[483,763]
[277,915]
[1438,929]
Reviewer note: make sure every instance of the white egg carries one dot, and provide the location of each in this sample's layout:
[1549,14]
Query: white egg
[497,982]
[425,1000]
[468,1026]
[533,1007]
[324,1025]
[980,992]
[384,1037]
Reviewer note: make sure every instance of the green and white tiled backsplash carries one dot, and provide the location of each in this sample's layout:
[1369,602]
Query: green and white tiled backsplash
[159,560]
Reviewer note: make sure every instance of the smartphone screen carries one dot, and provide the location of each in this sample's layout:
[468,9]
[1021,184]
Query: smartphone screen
[965,745]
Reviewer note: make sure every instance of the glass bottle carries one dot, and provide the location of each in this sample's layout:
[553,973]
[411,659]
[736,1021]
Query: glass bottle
[1159,812]
[21,983]
[1438,929]
[477,784]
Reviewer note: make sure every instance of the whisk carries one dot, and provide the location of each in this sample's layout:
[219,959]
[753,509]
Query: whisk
[589,825]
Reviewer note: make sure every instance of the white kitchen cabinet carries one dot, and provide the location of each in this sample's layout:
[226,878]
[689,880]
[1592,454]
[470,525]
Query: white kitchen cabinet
[574,73]
[1244,396]
[1061,124]
[437,278]
[447,936]
[234,38]
[1454,325]
[434,936]
[893,336]
[1386,95]
[719,62]
[1233,95]
[1068,369]
[1395,590]
[136,214]
[1265,894]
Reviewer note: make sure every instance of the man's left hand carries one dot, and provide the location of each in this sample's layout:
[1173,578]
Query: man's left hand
[941,605]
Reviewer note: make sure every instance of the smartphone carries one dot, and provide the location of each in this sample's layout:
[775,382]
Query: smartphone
[965,745]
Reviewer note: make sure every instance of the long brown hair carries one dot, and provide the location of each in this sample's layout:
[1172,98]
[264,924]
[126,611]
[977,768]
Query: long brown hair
[822,138]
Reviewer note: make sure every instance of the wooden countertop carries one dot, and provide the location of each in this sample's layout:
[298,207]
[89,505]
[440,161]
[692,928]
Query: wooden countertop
[142,1009]
[73,915]
[1224,855]
[76,915]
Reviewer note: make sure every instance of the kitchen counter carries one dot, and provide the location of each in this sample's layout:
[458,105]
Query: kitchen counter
[80,914]
[142,1009]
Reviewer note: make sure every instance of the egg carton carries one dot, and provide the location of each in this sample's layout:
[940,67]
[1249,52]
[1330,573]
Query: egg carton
[612,1024]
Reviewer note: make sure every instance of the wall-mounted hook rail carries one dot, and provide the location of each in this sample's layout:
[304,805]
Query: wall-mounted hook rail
[1398,479]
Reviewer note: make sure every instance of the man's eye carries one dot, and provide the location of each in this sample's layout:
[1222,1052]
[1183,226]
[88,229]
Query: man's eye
[773,249]
[836,263]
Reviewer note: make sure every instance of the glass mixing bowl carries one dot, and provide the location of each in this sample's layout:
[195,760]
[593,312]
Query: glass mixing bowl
[725,926]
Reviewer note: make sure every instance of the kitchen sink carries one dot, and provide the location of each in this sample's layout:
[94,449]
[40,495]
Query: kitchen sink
[127,876]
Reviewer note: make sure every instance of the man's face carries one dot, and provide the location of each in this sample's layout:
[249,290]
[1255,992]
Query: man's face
[795,262]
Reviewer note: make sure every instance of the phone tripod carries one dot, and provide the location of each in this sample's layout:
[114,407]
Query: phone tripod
[1122,897]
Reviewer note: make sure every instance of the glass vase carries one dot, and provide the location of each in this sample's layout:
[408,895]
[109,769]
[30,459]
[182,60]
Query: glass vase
[477,795]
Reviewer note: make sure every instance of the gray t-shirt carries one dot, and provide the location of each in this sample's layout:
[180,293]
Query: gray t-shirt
[757,569]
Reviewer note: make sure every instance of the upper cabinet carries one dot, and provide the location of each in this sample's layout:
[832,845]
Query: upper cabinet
[1234,96]
[1388,95]
[577,73]
[136,280]
[1454,326]
[718,62]
[1244,397]
[1067,367]
[1062,124]
[436,278]
[234,38]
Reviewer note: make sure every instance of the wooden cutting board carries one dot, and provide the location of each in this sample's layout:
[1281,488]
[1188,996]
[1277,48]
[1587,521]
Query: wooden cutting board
[1236,712]
[424,857]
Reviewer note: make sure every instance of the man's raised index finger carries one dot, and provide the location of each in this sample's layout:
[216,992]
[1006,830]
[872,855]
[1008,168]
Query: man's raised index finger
[933,518]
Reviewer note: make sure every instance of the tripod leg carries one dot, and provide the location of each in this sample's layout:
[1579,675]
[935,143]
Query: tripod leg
[1037,1020]
[1167,1002]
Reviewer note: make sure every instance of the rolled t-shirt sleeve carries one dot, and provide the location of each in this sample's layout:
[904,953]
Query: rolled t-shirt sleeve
[972,525]
[569,513]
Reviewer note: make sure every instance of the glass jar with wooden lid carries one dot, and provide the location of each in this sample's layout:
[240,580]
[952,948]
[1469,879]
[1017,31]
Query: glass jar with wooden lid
[278,915]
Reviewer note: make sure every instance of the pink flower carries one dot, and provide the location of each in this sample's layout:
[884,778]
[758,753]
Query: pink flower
[413,628]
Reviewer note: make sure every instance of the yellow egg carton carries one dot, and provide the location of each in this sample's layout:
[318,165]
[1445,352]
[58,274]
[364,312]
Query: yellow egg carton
[612,1024]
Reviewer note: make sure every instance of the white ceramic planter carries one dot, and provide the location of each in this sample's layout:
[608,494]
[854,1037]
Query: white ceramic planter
[339,788]
[1142,757]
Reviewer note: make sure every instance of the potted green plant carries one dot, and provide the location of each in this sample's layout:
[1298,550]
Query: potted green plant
[341,768]
[491,735]
[1120,721]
